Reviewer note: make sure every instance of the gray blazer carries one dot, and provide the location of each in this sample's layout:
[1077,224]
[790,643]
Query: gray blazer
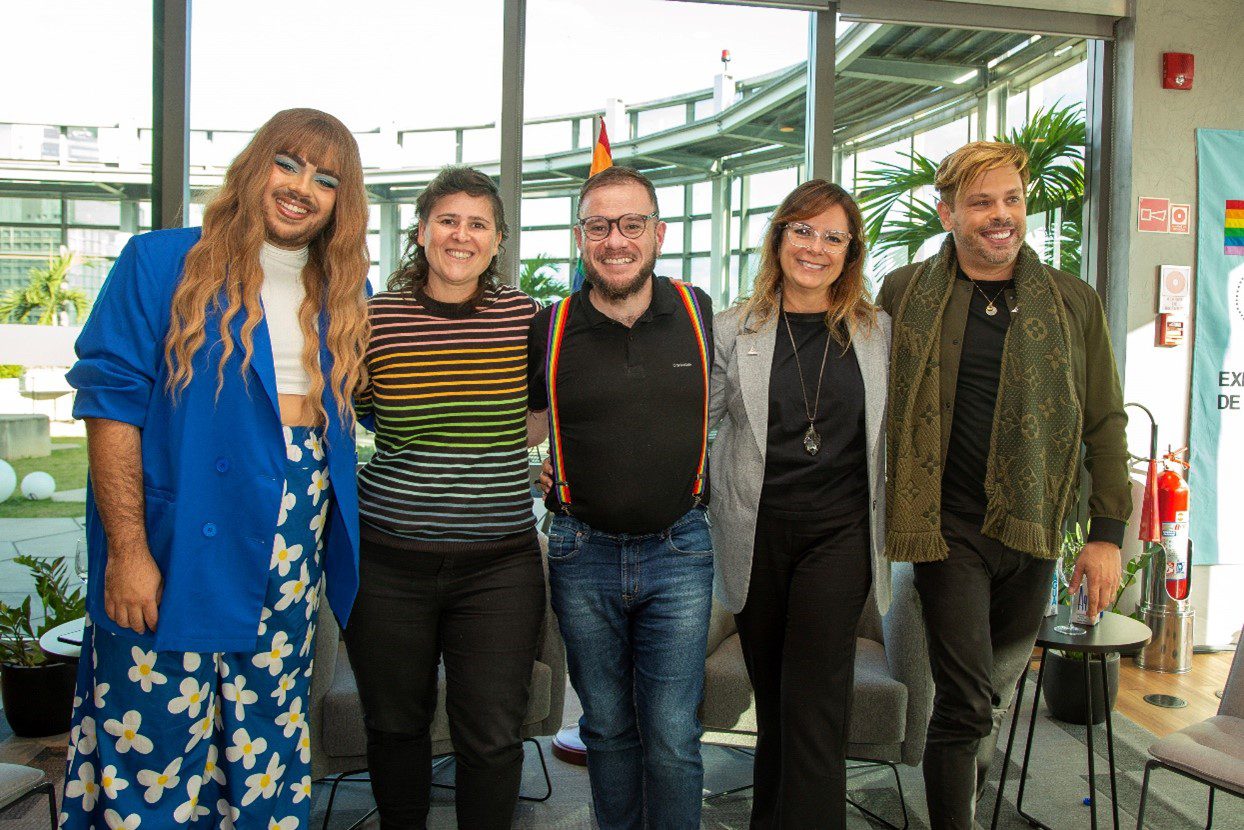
[739,405]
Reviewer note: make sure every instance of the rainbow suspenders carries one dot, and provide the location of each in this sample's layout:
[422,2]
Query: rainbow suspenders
[557,331]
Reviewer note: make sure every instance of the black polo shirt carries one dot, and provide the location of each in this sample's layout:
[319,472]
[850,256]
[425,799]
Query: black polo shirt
[631,407]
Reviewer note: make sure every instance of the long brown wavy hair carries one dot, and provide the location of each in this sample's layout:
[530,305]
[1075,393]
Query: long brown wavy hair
[850,306]
[222,274]
[412,275]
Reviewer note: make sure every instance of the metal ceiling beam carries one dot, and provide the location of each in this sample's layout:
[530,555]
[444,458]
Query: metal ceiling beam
[962,15]
[923,73]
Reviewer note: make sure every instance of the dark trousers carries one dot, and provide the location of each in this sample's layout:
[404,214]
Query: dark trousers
[984,598]
[482,609]
[809,582]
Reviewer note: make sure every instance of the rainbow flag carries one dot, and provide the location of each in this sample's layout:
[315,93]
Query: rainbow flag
[602,158]
[1233,229]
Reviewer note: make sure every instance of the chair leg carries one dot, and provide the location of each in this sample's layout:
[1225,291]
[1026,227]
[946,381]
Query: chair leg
[332,795]
[1209,820]
[901,799]
[548,782]
[1144,795]
[50,789]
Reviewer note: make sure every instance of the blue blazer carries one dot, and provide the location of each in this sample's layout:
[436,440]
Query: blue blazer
[213,466]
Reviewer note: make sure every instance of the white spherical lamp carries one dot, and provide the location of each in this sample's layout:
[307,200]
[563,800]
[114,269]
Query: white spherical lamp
[8,480]
[38,486]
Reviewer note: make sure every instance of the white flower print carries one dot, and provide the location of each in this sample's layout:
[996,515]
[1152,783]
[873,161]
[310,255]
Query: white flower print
[264,783]
[190,810]
[191,699]
[245,749]
[316,445]
[110,783]
[292,451]
[126,731]
[74,731]
[212,771]
[304,744]
[291,720]
[85,787]
[288,500]
[114,821]
[191,661]
[313,605]
[100,690]
[240,696]
[318,521]
[302,789]
[307,639]
[294,590]
[284,686]
[287,823]
[319,483]
[265,614]
[201,728]
[86,736]
[273,657]
[143,671]
[157,782]
[229,814]
[283,555]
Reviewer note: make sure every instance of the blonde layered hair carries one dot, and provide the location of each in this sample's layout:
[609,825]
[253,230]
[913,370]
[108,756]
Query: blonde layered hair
[222,275]
[967,164]
[850,306]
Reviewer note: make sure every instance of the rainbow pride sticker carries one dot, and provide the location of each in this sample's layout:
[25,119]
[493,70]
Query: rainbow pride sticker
[1233,230]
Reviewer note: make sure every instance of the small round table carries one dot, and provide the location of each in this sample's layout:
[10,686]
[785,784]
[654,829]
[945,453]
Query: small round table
[64,642]
[1114,632]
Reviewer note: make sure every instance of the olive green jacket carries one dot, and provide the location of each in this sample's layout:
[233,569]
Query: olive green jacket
[1093,367]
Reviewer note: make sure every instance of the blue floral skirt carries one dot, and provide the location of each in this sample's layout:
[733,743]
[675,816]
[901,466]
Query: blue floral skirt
[161,739]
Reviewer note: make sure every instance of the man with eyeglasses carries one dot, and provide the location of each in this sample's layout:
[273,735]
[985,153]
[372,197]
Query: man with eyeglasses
[1001,374]
[622,367]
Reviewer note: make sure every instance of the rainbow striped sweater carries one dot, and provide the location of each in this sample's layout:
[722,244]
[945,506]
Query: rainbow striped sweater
[448,392]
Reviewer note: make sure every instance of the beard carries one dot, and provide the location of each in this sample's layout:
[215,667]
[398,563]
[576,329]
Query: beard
[984,252]
[616,292]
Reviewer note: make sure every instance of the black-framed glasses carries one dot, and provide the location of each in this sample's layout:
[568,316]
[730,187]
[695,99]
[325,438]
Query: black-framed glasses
[630,225]
[805,236]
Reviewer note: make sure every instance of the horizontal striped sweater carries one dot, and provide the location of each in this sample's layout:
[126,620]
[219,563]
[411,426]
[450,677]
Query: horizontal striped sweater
[448,392]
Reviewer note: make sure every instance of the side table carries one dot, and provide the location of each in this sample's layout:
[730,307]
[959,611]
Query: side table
[64,642]
[1115,632]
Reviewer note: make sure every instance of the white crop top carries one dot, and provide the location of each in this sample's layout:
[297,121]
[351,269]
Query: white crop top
[282,295]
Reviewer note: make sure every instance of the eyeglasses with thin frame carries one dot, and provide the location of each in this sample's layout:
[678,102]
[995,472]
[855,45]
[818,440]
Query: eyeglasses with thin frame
[804,236]
[630,225]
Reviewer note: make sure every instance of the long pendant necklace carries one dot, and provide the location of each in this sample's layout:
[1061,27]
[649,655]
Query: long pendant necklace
[991,307]
[811,438]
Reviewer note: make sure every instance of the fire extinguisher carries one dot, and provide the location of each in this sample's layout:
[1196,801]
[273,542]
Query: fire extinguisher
[1173,516]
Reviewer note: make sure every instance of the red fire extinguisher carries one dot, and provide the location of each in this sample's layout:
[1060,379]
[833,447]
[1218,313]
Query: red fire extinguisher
[1173,515]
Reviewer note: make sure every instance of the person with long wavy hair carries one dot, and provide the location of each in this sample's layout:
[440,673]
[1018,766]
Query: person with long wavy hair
[799,389]
[450,561]
[215,375]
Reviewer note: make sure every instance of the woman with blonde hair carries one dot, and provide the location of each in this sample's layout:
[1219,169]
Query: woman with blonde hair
[799,390]
[215,375]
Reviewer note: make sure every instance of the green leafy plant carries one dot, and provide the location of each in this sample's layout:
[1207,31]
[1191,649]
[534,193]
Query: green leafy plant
[895,216]
[538,280]
[19,638]
[47,295]
[11,370]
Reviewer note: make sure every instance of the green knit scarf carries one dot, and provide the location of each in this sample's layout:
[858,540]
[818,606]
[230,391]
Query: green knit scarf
[1034,449]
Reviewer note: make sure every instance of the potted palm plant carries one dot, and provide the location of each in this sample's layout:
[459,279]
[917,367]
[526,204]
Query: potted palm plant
[38,693]
[1062,683]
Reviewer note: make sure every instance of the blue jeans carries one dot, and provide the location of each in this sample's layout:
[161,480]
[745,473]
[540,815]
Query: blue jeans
[634,611]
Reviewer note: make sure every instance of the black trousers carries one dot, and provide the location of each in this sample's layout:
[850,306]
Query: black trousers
[984,598]
[809,582]
[479,606]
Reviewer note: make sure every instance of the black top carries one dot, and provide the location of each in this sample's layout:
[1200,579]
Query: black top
[835,480]
[631,404]
[976,393]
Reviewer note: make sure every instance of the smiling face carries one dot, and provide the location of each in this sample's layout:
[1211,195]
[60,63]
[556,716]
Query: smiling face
[617,266]
[809,271]
[459,239]
[988,221]
[298,200]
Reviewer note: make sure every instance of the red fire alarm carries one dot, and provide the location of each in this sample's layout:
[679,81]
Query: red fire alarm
[1177,70]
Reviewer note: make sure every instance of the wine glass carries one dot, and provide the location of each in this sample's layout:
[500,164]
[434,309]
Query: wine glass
[81,564]
[1068,628]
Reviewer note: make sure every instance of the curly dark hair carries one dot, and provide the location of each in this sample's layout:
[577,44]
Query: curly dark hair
[412,275]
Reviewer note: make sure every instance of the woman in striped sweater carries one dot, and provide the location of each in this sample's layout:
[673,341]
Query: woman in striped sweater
[450,564]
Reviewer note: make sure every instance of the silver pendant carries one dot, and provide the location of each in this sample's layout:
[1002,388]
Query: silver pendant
[811,441]
[991,309]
